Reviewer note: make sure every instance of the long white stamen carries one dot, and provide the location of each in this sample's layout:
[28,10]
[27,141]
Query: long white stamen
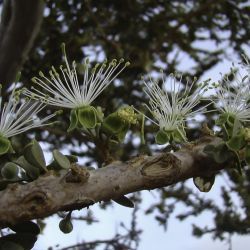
[233,96]
[172,112]
[65,91]
[18,117]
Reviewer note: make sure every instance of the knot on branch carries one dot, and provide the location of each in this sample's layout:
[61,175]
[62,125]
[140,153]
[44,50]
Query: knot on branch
[164,166]
[77,174]
[34,203]
[36,197]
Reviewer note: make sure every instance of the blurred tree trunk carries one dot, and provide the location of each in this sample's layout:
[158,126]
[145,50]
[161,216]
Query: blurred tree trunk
[20,23]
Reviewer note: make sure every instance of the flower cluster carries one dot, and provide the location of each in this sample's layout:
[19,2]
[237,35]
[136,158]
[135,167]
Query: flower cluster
[127,114]
[170,109]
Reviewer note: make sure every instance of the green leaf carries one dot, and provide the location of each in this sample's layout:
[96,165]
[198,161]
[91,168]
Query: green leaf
[26,227]
[24,240]
[87,117]
[4,145]
[9,245]
[31,171]
[204,184]
[61,159]
[236,142]
[66,225]
[73,120]
[179,135]
[113,124]
[33,153]
[162,137]
[124,201]
[10,171]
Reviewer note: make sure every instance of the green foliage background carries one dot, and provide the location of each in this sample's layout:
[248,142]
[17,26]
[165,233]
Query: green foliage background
[150,34]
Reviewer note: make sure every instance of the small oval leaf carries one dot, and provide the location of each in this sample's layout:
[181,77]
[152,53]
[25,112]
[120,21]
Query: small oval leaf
[31,171]
[113,124]
[124,201]
[26,227]
[87,117]
[25,240]
[33,153]
[162,137]
[66,226]
[61,159]
[204,184]
[10,171]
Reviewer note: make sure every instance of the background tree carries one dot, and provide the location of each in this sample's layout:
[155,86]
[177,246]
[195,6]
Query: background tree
[151,35]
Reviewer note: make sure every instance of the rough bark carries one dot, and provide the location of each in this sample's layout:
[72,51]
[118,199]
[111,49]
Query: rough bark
[80,187]
[20,23]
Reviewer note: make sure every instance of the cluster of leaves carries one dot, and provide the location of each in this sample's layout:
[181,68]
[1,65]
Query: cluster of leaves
[25,167]
[29,165]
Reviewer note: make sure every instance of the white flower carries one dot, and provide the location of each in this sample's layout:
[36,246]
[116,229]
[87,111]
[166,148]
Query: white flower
[232,97]
[172,111]
[64,90]
[18,117]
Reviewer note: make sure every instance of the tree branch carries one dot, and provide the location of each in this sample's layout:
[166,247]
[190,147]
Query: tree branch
[20,23]
[80,187]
